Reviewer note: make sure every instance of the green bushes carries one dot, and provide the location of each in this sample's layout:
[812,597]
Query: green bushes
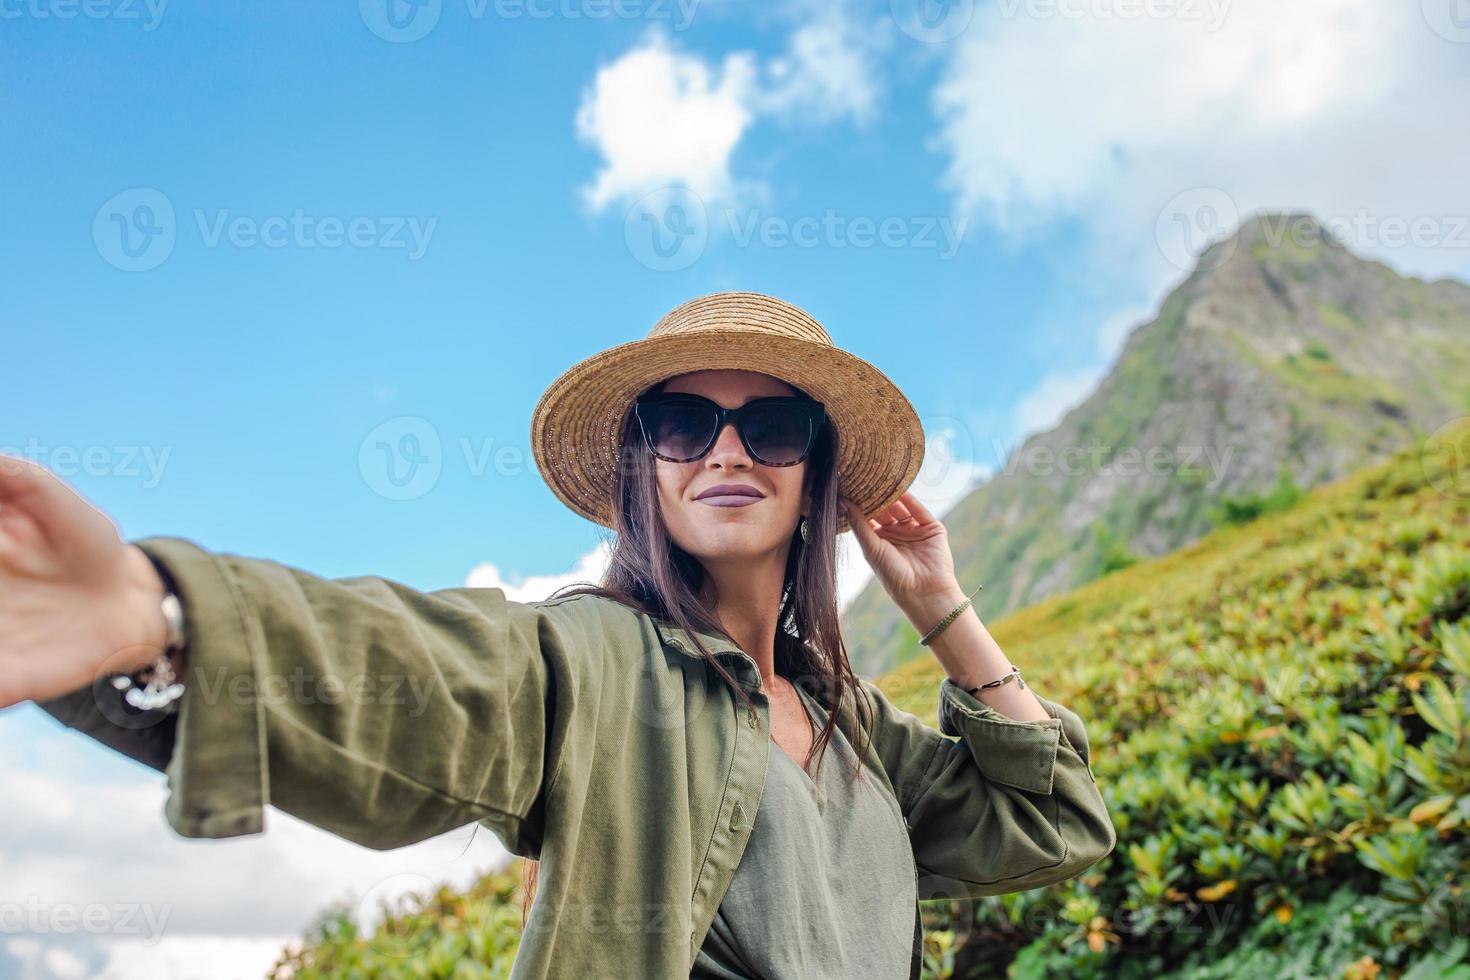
[1280,723]
[445,935]
[1441,589]
[1247,507]
[1112,553]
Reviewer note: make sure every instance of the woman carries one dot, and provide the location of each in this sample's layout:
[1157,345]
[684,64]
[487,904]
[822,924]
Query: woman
[655,742]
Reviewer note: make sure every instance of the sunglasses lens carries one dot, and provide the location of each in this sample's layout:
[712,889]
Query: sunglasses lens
[678,430]
[778,434]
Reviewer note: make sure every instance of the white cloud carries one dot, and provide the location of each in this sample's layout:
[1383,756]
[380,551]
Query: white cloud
[193,956]
[169,906]
[1044,405]
[951,471]
[1046,117]
[662,116]
[84,955]
[1062,389]
[589,568]
[64,963]
[951,468]
[827,72]
[1148,132]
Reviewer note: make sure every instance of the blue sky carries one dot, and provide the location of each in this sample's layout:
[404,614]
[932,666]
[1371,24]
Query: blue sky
[260,369]
[219,378]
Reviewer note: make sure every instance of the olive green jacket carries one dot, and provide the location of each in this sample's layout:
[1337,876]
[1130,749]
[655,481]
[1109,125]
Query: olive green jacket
[580,731]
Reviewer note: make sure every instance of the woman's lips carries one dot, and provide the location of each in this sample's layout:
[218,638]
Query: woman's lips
[729,500]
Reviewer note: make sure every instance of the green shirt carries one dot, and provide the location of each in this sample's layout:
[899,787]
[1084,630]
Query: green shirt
[826,887]
[580,731]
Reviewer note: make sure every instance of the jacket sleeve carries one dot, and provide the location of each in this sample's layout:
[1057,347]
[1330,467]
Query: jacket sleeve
[379,713]
[993,804]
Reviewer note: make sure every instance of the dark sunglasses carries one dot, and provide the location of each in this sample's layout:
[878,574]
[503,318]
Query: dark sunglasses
[681,427]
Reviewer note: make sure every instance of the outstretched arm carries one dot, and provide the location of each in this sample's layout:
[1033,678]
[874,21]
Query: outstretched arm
[375,711]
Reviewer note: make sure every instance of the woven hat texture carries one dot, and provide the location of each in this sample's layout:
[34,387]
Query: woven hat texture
[578,419]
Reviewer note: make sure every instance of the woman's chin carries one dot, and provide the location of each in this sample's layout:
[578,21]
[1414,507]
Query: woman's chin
[732,539]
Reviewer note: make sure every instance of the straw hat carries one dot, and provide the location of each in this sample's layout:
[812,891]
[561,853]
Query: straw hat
[578,420]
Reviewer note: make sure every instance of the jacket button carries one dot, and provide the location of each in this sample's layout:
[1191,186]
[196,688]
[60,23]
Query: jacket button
[737,816]
[751,721]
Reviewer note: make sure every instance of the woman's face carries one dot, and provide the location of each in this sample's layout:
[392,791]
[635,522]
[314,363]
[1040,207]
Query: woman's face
[705,529]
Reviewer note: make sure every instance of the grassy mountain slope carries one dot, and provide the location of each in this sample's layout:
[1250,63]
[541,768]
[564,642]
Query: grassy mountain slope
[1282,357]
[1279,718]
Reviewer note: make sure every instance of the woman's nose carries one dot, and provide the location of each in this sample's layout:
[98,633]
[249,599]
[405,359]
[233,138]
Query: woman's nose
[728,450]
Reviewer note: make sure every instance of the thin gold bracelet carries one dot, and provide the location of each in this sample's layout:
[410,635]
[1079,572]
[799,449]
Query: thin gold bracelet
[953,615]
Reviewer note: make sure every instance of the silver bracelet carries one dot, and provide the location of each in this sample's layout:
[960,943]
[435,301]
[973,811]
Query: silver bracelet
[161,687]
[1013,675]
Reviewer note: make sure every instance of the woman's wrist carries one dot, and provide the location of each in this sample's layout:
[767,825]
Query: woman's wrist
[146,629]
[969,654]
[925,611]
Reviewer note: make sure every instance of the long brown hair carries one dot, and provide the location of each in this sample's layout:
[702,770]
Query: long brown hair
[649,572]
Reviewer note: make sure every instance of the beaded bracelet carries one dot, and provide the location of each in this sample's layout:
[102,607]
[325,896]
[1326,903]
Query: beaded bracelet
[157,687]
[953,615]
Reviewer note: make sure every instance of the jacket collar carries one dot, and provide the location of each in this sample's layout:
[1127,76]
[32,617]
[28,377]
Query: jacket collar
[718,645]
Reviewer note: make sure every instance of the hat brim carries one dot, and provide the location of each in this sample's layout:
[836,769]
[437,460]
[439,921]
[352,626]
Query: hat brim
[577,421]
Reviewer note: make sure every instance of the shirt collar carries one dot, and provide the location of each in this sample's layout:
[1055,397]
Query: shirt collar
[718,645]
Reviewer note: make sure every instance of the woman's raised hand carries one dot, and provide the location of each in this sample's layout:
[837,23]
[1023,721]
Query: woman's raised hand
[908,549]
[76,600]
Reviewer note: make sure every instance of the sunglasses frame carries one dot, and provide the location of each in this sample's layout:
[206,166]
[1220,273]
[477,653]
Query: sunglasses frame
[815,411]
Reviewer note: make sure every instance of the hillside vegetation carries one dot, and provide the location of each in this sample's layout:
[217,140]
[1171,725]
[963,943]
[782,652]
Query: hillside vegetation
[1284,359]
[1279,719]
